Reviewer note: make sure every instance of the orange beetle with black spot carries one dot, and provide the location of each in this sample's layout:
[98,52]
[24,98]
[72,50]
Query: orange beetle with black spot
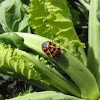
[51,49]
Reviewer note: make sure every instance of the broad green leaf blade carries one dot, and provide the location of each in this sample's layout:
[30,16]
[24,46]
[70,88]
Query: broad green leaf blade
[16,66]
[79,74]
[94,41]
[14,17]
[46,95]
[50,18]
[12,60]
[53,76]
[28,66]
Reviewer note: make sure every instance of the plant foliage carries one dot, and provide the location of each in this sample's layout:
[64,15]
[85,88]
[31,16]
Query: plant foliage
[73,74]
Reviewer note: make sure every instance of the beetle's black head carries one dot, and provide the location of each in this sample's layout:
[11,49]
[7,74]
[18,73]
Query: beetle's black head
[45,44]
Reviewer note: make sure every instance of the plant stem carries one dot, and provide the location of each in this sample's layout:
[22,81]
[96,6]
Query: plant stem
[94,41]
[84,4]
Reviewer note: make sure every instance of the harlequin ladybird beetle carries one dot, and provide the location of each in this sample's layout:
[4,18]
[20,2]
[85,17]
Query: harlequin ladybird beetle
[51,49]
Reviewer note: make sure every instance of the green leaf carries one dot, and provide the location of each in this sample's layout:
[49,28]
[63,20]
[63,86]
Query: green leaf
[17,63]
[78,73]
[94,41]
[50,18]
[23,65]
[14,17]
[13,39]
[53,77]
[53,19]
[16,66]
[6,77]
[1,97]
[46,95]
